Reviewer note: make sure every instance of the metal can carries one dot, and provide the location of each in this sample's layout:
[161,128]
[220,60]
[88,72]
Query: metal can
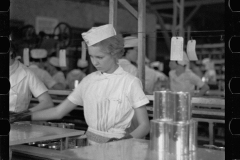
[70,125]
[53,124]
[181,107]
[159,136]
[179,139]
[172,106]
[43,145]
[163,105]
[62,125]
[54,145]
[193,145]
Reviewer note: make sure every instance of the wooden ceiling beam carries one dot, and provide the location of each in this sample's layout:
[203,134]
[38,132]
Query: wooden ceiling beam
[190,3]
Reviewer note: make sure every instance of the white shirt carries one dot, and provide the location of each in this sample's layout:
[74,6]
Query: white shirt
[43,75]
[75,74]
[211,75]
[151,78]
[109,101]
[60,78]
[185,82]
[23,84]
[128,66]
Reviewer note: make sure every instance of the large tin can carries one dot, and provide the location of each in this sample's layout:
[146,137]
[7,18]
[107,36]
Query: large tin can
[179,139]
[182,107]
[163,105]
[159,136]
[193,126]
[172,106]
[169,137]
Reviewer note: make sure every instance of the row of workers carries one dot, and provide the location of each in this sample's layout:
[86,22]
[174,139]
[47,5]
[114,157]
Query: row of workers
[112,98]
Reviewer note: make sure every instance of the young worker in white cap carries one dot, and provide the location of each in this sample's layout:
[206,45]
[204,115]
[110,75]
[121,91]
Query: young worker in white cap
[183,79]
[24,84]
[37,56]
[110,96]
[55,71]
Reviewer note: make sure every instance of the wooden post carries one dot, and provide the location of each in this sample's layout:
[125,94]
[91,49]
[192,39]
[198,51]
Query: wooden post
[141,40]
[113,5]
[141,16]
[178,17]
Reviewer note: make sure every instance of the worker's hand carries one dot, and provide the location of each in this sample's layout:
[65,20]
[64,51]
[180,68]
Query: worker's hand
[127,136]
[21,116]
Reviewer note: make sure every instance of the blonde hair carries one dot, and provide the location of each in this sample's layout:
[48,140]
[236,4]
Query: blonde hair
[113,45]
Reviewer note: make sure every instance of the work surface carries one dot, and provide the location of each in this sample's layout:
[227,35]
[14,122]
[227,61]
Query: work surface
[132,149]
[24,133]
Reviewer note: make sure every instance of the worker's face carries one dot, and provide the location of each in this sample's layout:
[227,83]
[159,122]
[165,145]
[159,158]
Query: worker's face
[172,65]
[102,61]
[132,54]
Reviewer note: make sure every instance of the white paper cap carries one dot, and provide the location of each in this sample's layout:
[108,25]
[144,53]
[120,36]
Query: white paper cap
[185,60]
[82,63]
[155,64]
[38,53]
[130,42]
[97,34]
[206,60]
[54,61]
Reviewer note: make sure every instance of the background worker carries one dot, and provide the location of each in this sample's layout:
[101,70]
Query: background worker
[125,61]
[55,71]
[131,49]
[183,79]
[76,75]
[196,69]
[24,84]
[110,96]
[210,75]
[37,58]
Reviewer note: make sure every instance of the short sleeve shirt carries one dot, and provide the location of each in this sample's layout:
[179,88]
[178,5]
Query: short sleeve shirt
[109,99]
[24,84]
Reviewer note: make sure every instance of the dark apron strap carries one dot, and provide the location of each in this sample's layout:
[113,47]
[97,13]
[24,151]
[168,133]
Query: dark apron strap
[96,138]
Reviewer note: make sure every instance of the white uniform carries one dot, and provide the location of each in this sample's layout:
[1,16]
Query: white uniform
[185,82]
[43,75]
[23,84]
[128,66]
[109,100]
[60,78]
[75,74]
[211,75]
[151,78]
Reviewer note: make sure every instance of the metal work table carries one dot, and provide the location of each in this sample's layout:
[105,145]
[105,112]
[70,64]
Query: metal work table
[21,133]
[133,149]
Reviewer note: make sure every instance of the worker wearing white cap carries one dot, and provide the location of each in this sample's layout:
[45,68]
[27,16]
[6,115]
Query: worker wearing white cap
[76,75]
[130,44]
[210,74]
[24,83]
[37,56]
[55,71]
[183,79]
[110,96]
[151,76]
